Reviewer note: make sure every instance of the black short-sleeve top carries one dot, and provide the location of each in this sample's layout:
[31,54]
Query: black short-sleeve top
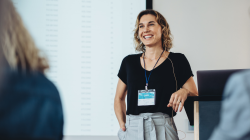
[162,80]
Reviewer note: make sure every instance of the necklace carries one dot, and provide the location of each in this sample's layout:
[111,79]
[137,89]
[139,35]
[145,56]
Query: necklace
[147,78]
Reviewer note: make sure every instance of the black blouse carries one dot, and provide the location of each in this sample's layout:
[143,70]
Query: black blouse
[162,80]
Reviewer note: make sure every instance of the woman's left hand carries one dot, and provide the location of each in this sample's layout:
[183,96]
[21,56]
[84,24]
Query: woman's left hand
[178,97]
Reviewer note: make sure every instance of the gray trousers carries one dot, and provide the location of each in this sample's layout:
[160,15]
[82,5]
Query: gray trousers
[149,126]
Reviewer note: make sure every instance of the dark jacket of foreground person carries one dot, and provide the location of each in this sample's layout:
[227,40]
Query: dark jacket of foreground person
[30,108]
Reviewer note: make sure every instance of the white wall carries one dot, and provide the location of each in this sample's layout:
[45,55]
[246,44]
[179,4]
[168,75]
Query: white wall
[213,34]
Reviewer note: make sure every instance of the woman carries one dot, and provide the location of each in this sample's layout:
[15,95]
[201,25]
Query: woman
[155,81]
[30,105]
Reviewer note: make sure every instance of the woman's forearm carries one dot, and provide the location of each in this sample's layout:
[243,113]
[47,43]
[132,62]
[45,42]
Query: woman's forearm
[120,110]
[189,93]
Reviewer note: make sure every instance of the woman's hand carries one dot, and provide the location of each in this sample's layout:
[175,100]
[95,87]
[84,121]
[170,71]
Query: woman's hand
[122,126]
[178,97]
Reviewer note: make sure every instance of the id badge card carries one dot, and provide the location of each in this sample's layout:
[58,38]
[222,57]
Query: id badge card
[146,97]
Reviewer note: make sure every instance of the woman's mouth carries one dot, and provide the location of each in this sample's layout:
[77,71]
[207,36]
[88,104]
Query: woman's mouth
[147,37]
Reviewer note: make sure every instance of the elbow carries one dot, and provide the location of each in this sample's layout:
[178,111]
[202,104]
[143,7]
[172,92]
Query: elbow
[195,93]
[119,99]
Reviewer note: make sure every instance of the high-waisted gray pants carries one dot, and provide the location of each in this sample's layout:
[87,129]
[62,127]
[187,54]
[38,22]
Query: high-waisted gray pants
[149,126]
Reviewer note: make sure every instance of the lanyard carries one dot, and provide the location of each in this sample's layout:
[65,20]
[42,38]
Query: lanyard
[147,78]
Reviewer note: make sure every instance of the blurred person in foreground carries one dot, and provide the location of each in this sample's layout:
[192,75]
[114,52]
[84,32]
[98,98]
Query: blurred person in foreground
[235,111]
[3,66]
[30,105]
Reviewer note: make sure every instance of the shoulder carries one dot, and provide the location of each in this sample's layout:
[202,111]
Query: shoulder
[245,74]
[177,57]
[242,77]
[131,57]
[42,87]
[45,87]
[46,84]
[238,82]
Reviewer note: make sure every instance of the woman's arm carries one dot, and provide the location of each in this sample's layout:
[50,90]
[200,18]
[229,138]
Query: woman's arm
[188,89]
[119,103]
[191,87]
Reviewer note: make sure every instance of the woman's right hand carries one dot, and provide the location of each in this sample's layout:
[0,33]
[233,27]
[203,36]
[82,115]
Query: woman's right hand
[122,126]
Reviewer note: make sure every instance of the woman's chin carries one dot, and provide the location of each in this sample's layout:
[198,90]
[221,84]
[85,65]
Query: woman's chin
[149,44]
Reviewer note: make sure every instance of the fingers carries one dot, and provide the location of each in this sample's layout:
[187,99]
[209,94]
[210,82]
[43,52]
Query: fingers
[177,100]
[182,104]
[170,104]
[123,127]
[176,103]
[173,102]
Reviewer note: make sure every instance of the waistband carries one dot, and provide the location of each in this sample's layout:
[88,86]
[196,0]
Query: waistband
[149,117]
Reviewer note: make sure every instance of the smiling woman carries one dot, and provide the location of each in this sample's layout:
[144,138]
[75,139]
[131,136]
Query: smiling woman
[165,33]
[165,76]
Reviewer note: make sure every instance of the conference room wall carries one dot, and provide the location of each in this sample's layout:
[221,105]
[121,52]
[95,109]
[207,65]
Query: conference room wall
[212,34]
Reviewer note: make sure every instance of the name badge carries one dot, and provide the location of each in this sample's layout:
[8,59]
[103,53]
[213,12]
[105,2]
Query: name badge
[146,97]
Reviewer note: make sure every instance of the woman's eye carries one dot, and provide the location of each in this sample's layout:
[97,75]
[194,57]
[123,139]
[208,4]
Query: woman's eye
[140,26]
[151,24]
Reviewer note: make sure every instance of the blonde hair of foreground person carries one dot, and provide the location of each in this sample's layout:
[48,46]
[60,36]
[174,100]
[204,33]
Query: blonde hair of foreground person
[166,33]
[19,49]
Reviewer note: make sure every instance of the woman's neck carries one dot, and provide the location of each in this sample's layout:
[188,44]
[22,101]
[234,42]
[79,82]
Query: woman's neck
[153,52]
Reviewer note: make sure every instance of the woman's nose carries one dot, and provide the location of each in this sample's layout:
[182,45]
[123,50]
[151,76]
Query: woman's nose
[146,29]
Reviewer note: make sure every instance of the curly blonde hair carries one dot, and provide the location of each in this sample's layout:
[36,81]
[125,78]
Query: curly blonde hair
[18,47]
[166,33]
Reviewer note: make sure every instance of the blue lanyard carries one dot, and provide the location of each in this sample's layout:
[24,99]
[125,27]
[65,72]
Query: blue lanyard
[147,78]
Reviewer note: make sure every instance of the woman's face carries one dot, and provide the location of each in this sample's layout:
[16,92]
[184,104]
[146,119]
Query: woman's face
[150,31]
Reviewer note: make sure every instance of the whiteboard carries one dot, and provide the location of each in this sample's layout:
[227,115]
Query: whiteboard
[85,42]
